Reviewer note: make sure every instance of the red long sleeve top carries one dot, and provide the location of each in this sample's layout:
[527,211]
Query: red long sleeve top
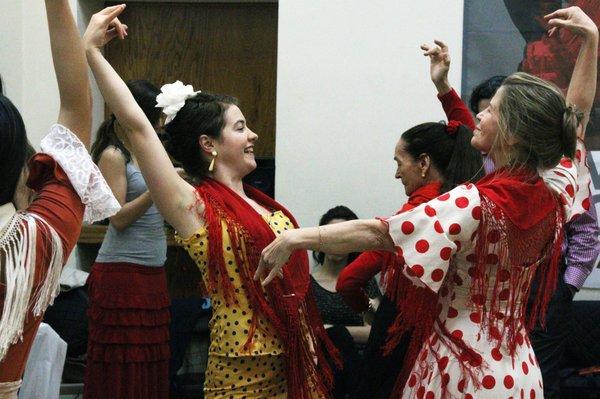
[354,277]
[60,206]
[456,109]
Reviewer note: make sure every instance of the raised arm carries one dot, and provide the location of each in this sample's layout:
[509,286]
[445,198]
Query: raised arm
[71,70]
[439,67]
[582,88]
[173,196]
[439,58]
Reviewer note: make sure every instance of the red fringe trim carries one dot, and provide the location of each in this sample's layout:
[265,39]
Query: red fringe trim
[417,311]
[521,254]
[295,318]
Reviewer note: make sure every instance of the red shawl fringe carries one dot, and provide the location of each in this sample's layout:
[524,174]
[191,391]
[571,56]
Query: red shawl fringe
[499,292]
[286,302]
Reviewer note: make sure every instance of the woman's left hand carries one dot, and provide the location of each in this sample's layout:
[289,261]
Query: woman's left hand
[273,257]
[572,19]
[440,60]
[104,26]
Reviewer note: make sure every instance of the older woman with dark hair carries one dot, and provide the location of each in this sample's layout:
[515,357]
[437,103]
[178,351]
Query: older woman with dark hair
[432,158]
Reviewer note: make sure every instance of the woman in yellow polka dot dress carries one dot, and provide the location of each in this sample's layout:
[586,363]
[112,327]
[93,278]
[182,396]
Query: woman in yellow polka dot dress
[263,344]
[255,372]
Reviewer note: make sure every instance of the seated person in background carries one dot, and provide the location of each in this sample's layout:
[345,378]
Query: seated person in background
[347,329]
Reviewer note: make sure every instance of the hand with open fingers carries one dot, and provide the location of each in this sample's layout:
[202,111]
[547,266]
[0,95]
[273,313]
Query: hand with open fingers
[273,258]
[105,26]
[440,60]
[572,19]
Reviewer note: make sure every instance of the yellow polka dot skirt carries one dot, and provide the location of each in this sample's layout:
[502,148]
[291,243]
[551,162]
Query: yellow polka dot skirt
[250,377]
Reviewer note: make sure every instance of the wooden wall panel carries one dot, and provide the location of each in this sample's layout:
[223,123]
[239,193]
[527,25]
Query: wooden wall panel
[228,48]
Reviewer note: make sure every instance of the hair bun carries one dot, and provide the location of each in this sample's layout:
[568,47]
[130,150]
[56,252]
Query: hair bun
[572,110]
[572,118]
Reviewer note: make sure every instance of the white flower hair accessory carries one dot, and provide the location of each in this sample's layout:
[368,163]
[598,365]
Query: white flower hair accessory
[172,98]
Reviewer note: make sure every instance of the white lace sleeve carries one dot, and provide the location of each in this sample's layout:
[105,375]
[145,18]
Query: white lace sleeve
[70,153]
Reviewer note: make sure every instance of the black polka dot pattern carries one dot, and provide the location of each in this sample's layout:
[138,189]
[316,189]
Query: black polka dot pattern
[245,377]
[233,371]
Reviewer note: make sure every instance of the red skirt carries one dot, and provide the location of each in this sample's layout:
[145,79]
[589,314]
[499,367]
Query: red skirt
[128,343]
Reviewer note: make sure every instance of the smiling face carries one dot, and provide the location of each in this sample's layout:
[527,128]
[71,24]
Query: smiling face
[235,146]
[488,128]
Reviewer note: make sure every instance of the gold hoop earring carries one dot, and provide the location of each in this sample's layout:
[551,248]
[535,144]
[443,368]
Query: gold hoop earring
[211,167]
[423,175]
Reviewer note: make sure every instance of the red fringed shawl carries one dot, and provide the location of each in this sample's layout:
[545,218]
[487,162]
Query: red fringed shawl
[521,222]
[414,303]
[286,303]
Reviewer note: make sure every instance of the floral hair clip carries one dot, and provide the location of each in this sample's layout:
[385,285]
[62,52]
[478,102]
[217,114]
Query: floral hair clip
[172,98]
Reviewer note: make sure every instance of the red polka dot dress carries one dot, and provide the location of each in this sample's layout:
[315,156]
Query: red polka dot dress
[479,346]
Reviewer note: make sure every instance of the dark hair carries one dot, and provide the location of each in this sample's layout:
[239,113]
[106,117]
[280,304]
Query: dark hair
[484,91]
[144,94]
[13,150]
[337,212]
[451,154]
[202,114]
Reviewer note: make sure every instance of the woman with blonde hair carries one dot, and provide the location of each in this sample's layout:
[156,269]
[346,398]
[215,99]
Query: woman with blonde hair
[478,246]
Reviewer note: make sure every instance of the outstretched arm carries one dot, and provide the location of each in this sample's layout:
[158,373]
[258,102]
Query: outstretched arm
[339,238]
[71,70]
[582,88]
[173,196]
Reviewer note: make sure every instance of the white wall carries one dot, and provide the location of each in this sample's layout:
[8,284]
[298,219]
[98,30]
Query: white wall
[26,62]
[351,78]
[11,60]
